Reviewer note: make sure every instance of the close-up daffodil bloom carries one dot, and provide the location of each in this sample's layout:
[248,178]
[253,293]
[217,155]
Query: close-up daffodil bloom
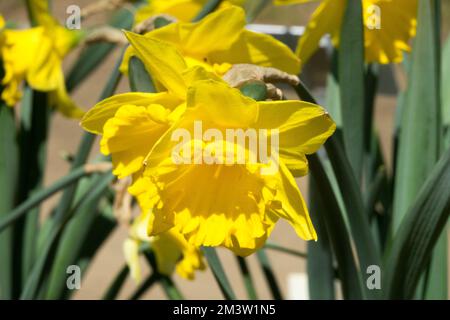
[35,55]
[217,42]
[172,252]
[389,26]
[235,206]
[183,10]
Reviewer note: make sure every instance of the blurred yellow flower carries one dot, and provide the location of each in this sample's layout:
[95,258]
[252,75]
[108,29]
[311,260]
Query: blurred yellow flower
[36,55]
[288,2]
[172,252]
[215,43]
[232,205]
[183,10]
[2,22]
[388,27]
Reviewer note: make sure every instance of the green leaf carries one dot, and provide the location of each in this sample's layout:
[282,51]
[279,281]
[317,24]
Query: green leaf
[351,78]
[96,53]
[269,275]
[37,198]
[351,194]
[34,123]
[419,141]
[320,254]
[117,284]
[277,247]
[218,272]
[209,7]
[89,202]
[140,79]
[145,286]
[247,276]
[166,282]
[254,7]
[337,232]
[418,233]
[75,235]
[445,92]
[9,160]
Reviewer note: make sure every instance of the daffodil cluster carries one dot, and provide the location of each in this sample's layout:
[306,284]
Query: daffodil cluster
[35,55]
[220,204]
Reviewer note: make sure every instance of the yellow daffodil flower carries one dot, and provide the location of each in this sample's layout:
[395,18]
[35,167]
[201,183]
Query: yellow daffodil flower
[235,206]
[239,206]
[36,55]
[2,22]
[172,252]
[388,27]
[183,10]
[217,42]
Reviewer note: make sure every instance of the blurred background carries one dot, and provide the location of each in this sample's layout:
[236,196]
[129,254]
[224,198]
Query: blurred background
[290,270]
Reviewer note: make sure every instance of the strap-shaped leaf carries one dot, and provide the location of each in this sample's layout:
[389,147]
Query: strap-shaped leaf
[8,182]
[351,78]
[418,233]
[337,232]
[218,272]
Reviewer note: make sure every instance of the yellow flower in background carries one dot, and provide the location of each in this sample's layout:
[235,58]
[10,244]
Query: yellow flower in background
[183,10]
[36,55]
[172,252]
[388,28]
[232,205]
[215,43]
[289,2]
[2,22]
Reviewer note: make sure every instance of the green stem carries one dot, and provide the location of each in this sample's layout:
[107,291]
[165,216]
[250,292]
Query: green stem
[268,273]
[117,284]
[276,247]
[248,281]
[147,284]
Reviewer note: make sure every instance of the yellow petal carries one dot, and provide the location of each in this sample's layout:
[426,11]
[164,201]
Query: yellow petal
[17,60]
[131,252]
[183,10]
[294,208]
[61,100]
[162,61]
[2,22]
[259,49]
[40,12]
[45,73]
[212,100]
[397,26]
[289,2]
[303,129]
[95,118]
[216,32]
[326,18]
[130,135]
